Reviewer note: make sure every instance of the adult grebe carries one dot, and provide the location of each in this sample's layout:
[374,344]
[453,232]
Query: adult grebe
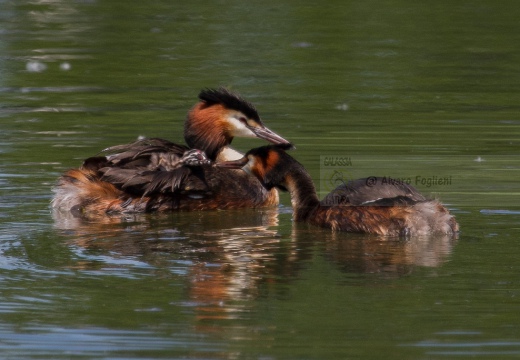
[400,215]
[157,175]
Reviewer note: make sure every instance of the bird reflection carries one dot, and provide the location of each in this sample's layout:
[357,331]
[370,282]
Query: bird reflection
[229,256]
[356,253]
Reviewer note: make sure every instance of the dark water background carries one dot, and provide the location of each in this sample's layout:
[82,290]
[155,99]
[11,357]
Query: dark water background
[407,90]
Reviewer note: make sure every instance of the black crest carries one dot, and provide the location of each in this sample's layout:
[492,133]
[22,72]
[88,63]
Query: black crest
[275,175]
[229,100]
[262,152]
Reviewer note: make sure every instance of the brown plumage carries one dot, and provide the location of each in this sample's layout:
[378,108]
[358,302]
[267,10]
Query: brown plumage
[404,211]
[158,175]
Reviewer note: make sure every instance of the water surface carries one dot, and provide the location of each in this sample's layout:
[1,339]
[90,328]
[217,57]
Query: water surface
[408,91]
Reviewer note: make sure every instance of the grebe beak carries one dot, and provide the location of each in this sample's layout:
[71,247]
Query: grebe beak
[233,164]
[266,134]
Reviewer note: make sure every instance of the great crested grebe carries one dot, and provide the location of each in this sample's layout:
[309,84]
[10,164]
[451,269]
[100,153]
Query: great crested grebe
[157,175]
[400,215]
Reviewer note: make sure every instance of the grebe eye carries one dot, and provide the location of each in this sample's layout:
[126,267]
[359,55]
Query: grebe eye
[242,119]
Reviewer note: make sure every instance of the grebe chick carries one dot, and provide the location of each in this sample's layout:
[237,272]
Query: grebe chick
[397,216]
[158,175]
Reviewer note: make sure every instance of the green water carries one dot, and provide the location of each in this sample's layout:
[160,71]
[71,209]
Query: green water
[411,90]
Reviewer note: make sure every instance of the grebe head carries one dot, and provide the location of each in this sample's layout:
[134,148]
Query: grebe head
[219,117]
[270,164]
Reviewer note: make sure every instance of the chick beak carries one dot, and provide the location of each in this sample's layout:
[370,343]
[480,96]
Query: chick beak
[233,164]
[266,134]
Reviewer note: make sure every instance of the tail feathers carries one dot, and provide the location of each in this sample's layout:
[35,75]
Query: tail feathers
[82,192]
[428,217]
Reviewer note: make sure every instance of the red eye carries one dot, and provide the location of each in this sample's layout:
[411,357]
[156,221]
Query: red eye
[242,119]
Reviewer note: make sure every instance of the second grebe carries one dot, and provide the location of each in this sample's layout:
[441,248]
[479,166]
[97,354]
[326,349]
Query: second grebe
[157,175]
[400,215]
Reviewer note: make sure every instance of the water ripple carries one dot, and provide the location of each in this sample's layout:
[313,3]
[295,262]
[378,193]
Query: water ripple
[53,341]
[469,348]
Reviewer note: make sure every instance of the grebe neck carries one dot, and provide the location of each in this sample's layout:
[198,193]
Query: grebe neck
[204,130]
[303,192]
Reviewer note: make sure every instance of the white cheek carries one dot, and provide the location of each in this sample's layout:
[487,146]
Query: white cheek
[228,154]
[239,129]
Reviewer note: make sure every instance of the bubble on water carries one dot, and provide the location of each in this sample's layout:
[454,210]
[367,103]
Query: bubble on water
[65,66]
[35,66]
[301,44]
[343,107]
